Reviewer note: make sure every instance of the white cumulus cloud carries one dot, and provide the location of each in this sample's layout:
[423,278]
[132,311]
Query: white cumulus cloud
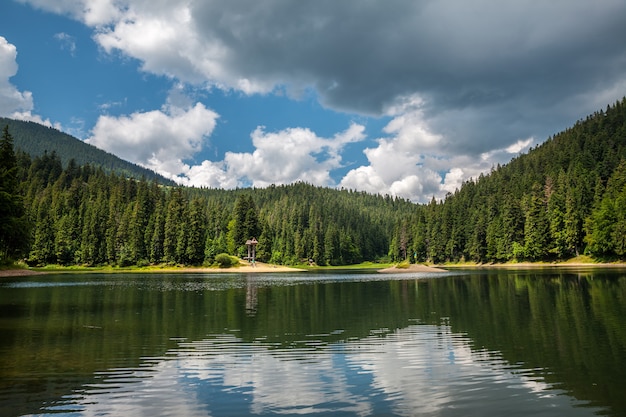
[91,12]
[14,103]
[290,155]
[282,157]
[160,139]
[166,139]
[417,164]
[11,99]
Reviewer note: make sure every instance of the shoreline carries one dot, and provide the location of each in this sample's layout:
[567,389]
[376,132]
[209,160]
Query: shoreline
[271,268]
[242,268]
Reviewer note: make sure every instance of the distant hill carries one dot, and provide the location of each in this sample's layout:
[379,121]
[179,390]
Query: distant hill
[36,139]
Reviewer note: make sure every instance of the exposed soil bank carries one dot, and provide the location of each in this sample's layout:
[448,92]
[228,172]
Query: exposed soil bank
[18,272]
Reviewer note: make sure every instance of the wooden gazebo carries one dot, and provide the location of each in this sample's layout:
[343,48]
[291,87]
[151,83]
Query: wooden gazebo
[251,244]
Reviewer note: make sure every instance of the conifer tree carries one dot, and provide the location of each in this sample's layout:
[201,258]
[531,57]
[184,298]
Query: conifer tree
[158,233]
[14,229]
[536,226]
[42,251]
[174,227]
[194,252]
[244,225]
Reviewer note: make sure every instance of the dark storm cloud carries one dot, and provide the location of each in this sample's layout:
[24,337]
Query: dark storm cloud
[463,84]
[516,68]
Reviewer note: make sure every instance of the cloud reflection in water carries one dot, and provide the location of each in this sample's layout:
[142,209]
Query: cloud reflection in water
[418,370]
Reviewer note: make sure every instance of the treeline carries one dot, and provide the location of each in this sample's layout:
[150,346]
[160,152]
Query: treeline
[14,227]
[84,216]
[564,198]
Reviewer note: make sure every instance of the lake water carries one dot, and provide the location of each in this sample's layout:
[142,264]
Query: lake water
[542,342]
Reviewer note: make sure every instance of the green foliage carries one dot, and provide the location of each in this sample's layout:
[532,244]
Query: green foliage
[224,260]
[14,236]
[403,265]
[606,226]
[246,219]
[84,216]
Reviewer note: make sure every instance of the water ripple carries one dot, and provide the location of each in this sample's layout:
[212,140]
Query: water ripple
[419,370]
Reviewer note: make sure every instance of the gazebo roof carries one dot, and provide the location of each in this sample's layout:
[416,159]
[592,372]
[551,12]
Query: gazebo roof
[252,241]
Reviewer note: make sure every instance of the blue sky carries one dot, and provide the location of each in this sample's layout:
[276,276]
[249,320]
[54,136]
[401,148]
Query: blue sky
[401,98]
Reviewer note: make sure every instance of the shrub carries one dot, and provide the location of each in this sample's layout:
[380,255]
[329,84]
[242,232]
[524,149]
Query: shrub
[404,264]
[224,260]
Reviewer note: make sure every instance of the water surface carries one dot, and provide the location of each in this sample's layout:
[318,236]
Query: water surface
[540,342]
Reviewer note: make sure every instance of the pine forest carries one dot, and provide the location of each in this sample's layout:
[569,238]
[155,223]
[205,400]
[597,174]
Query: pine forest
[564,198]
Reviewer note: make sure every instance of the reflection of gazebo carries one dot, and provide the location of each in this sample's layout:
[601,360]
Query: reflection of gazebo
[251,244]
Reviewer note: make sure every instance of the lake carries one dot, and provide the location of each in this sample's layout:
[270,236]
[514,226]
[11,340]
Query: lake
[541,342]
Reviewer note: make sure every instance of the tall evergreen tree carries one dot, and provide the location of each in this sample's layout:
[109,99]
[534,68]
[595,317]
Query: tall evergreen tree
[158,233]
[173,240]
[536,226]
[245,223]
[194,252]
[14,229]
[42,251]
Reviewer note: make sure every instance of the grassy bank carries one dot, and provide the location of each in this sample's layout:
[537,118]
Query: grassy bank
[579,261]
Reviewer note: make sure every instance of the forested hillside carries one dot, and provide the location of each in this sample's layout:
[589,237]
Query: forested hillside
[36,140]
[81,215]
[565,197]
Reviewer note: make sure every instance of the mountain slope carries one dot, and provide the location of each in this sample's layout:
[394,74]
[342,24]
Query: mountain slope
[35,140]
[563,198]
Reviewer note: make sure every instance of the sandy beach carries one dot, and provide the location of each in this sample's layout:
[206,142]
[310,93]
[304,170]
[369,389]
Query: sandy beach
[411,268]
[243,267]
